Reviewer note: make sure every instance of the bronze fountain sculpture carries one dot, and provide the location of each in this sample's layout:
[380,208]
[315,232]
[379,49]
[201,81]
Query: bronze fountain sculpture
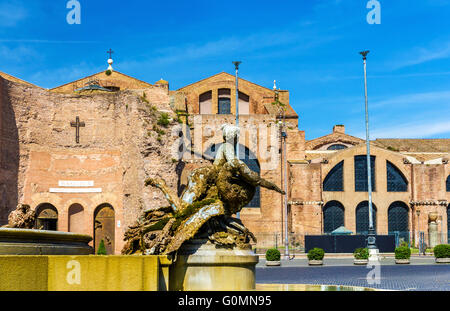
[213,194]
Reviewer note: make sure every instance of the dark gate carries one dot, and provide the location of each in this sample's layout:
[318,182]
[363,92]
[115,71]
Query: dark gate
[104,227]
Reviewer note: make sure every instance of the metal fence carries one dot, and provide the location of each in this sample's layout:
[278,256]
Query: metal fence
[296,241]
[276,240]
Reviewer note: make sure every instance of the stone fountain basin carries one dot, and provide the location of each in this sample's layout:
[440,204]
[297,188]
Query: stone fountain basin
[43,242]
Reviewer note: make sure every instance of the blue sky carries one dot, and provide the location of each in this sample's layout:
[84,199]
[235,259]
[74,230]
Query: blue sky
[309,46]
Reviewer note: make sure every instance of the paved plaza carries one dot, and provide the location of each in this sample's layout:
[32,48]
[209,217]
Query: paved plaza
[421,274]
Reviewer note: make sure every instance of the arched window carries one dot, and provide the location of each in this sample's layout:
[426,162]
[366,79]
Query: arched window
[224,101]
[333,216]
[337,147]
[335,178]
[362,217]
[396,182]
[205,103]
[46,217]
[448,183]
[361,172]
[398,220]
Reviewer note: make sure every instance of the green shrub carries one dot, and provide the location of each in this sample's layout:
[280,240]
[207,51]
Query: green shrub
[273,255]
[316,254]
[101,248]
[402,252]
[361,253]
[442,251]
[163,119]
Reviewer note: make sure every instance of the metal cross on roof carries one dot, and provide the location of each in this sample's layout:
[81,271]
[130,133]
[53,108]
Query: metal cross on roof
[110,52]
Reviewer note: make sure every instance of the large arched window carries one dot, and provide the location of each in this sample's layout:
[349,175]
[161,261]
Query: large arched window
[398,219]
[46,217]
[335,178]
[361,173]
[362,217]
[448,183]
[333,216]
[224,101]
[396,182]
[337,147]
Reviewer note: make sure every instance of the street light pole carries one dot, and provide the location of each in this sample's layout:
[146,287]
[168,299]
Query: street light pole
[371,239]
[236,65]
[283,137]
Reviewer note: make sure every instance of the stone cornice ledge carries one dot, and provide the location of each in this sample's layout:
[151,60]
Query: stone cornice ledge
[429,202]
[305,202]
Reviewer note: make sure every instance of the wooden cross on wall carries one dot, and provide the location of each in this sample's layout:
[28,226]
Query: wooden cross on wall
[77,124]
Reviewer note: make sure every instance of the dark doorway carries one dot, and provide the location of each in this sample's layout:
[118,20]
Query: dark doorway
[362,217]
[104,227]
[46,217]
[333,216]
[398,220]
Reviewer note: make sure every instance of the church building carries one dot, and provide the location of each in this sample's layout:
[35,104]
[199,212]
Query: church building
[79,153]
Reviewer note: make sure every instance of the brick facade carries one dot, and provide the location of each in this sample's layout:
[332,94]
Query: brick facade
[118,149]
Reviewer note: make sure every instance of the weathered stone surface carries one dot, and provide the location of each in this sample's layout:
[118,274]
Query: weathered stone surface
[119,147]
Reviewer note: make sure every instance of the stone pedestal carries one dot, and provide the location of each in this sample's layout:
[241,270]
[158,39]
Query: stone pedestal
[373,255]
[433,237]
[433,234]
[201,266]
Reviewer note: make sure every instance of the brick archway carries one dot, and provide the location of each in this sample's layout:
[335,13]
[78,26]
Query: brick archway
[46,217]
[104,227]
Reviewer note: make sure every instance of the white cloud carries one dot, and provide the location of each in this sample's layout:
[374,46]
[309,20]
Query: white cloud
[55,77]
[423,99]
[11,13]
[419,129]
[265,42]
[419,55]
[17,54]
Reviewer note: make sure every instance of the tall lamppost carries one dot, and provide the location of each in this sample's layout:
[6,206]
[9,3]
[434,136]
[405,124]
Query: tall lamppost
[283,136]
[371,239]
[236,65]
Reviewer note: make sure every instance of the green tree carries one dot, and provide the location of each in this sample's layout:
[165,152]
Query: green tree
[101,248]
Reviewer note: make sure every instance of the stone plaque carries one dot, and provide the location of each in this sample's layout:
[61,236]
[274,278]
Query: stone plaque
[76,183]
